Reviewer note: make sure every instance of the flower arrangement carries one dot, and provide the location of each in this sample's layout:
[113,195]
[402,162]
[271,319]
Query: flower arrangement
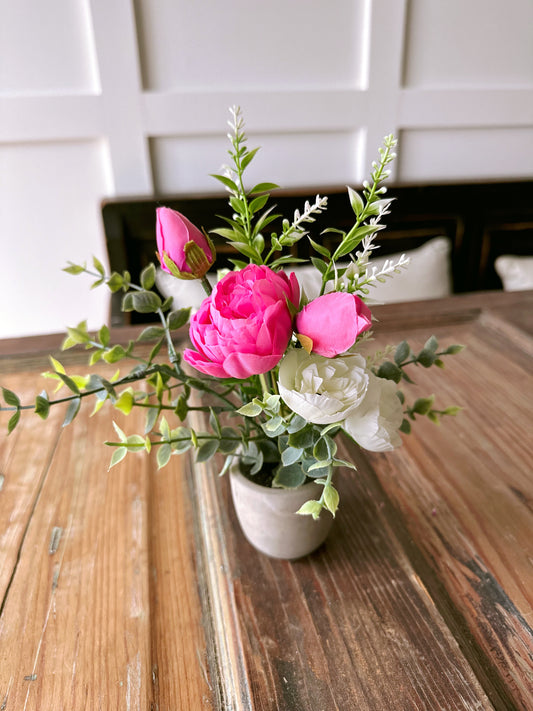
[278,376]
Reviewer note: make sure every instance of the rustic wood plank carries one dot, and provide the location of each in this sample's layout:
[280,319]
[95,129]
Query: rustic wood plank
[464,492]
[24,459]
[179,654]
[101,607]
[351,626]
[75,627]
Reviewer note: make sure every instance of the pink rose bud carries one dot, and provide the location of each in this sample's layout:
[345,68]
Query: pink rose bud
[184,250]
[245,325]
[330,324]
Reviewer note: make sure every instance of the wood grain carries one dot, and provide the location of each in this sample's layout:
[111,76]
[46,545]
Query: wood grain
[135,589]
[465,493]
[100,604]
[351,626]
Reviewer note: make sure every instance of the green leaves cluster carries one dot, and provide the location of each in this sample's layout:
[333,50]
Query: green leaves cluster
[244,230]
[262,431]
[304,451]
[368,209]
[395,370]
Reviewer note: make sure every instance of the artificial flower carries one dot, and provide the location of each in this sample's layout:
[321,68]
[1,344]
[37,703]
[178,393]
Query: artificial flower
[374,424]
[331,323]
[322,390]
[245,325]
[183,249]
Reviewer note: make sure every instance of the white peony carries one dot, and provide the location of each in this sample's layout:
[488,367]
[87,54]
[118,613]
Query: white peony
[322,390]
[374,424]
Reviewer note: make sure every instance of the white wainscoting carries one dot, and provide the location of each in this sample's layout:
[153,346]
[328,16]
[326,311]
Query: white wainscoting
[124,97]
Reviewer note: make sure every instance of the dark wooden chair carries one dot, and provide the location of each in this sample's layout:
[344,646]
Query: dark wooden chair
[482,222]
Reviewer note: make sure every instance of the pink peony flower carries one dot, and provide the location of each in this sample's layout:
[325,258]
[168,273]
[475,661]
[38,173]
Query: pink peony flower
[244,326]
[332,322]
[187,247]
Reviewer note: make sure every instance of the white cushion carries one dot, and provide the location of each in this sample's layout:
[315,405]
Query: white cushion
[516,273]
[186,292]
[428,276]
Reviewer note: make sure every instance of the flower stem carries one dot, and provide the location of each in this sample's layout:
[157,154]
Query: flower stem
[207,286]
[264,385]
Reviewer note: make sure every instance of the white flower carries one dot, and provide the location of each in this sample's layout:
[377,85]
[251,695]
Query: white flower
[322,390]
[374,424]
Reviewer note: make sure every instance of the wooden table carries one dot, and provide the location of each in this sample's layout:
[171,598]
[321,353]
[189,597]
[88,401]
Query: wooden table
[134,589]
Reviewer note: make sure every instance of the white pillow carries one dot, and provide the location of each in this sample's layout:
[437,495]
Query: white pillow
[428,276]
[516,273]
[186,292]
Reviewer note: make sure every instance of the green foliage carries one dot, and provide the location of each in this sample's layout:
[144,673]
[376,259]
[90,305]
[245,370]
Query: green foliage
[395,370]
[246,418]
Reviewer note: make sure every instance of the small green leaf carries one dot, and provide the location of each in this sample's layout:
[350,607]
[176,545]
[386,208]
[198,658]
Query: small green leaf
[324,251]
[115,282]
[263,188]
[148,277]
[331,499]
[150,333]
[310,508]
[290,455]
[69,382]
[423,405]
[431,344]
[258,203]
[145,302]
[207,450]
[251,409]
[72,410]
[356,201]
[229,440]
[114,355]
[164,452]
[405,427]
[42,406]
[10,398]
[296,424]
[389,371]
[402,352]
[426,358]
[452,350]
[304,438]
[248,157]
[136,442]
[103,335]
[290,477]
[320,264]
[119,432]
[452,410]
[127,302]
[125,402]
[151,418]
[13,421]
[177,319]
[118,456]
[98,266]
[324,450]
[227,182]
[74,269]
[182,408]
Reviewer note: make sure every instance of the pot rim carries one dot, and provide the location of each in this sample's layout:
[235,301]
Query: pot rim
[269,490]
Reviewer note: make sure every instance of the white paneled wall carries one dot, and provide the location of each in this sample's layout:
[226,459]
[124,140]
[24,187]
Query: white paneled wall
[124,97]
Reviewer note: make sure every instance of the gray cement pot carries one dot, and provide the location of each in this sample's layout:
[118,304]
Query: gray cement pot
[268,519]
